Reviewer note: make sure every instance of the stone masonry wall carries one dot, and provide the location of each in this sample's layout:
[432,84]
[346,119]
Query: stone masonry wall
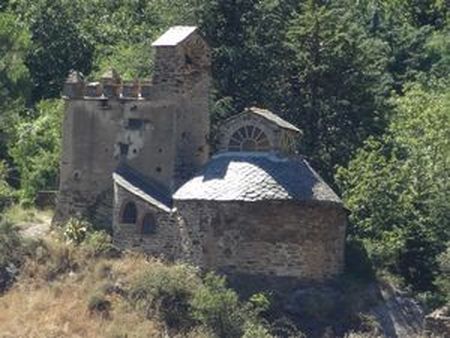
[163,243]
[159,129]
[286,239]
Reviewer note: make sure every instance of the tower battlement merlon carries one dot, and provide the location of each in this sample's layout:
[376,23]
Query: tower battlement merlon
[110,86]
[182,60]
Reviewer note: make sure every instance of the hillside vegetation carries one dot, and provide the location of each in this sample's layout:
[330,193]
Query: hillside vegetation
[367,82]
[72,281]
[77,284]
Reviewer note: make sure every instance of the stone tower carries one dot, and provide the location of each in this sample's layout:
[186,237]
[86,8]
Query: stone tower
[158,128]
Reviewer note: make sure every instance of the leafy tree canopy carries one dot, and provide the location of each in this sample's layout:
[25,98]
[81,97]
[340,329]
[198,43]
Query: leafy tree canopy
[397,186]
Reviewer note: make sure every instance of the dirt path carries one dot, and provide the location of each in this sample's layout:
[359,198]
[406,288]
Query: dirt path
[36,229]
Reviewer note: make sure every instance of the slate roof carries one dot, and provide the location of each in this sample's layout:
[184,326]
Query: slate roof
[174,35]
[141,187]
[268,115]
[256,177]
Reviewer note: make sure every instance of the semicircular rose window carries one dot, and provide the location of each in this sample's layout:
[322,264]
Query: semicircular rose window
[249,138]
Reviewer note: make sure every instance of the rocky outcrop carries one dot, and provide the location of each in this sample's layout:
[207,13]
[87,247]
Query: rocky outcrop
[437,324]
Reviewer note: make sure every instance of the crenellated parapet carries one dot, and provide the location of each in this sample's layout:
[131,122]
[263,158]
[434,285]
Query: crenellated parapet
[110,86]
[181,66]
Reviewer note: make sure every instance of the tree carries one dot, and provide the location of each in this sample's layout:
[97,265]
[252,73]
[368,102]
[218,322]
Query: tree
[337,83]
[35,149]
[14,76]
[248,51]
[5,189]
[14,43]
[58,44]
[397,186]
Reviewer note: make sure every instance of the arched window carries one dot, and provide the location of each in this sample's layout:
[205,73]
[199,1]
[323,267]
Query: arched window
[148,224]
[129,213]
[249,138]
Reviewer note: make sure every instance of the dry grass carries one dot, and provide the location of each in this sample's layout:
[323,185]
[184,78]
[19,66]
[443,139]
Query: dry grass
[60,308]
[17,214]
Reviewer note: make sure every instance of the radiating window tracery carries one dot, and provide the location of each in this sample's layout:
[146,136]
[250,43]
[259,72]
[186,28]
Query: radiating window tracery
[249,138]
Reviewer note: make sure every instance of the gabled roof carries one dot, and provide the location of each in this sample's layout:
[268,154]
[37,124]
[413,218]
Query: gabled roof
[138,185]
[174,36]
[268,115]
[255,177]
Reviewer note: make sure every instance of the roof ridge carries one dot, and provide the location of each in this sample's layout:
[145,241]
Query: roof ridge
[141,186]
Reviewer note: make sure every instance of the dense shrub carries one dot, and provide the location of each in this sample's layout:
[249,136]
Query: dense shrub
[217,307]
[35,149]
[99,244]
[397,187]
[357,261]
[184,301]
[166,292]
[6,192]
[76,230]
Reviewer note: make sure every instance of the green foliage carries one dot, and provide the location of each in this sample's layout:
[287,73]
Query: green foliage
[217,307]
[6,192]
[35,149]
[14,42]
[357,261]
[438,53]
[99,244]
[58,45]
[76,231]
[165,292]
[329,67]
[182,300]
[337,82]
[397,187]
[14,75]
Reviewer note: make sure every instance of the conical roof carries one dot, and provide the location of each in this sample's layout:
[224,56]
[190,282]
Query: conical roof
[256,177]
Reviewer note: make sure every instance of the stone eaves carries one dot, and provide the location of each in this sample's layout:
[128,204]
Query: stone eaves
[271,117]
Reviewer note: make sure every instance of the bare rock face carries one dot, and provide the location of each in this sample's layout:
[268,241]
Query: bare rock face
[437,324]
[371,310]
[399,315]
